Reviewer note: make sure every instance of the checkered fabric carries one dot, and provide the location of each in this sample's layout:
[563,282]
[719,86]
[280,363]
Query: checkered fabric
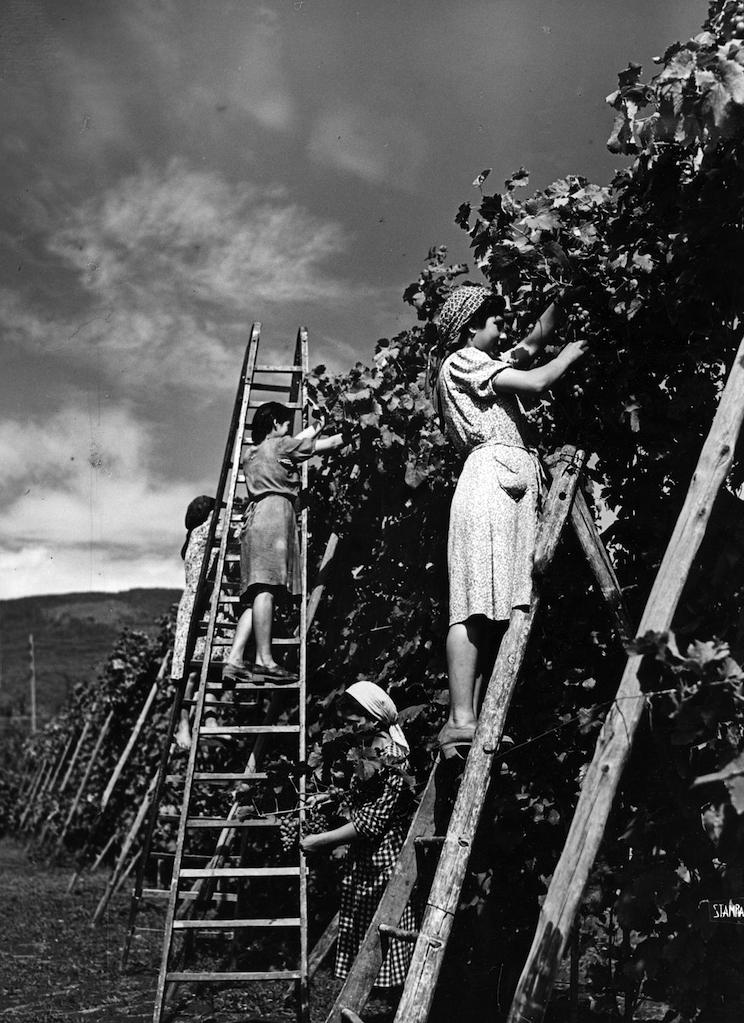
[457,310]
[378,809]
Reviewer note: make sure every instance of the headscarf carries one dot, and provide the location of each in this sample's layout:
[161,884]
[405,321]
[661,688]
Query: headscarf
[463,303]
[378,704]
[197,512]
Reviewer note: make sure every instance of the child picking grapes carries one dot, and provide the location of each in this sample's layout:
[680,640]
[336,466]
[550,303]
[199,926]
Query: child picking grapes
[269,542]
[379,815]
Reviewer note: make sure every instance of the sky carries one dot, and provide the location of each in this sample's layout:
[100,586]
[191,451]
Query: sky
[173,170]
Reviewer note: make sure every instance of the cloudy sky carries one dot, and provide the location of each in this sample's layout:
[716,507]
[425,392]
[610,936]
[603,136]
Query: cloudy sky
[174,169]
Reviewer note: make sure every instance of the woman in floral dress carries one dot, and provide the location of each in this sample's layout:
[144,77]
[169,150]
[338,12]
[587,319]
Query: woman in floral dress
[493,518]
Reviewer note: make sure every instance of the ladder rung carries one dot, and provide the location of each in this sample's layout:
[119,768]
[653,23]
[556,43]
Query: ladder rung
[271,387]
[249,687]
[432,841]
[387,931]
[194,872]
[250,730]
[185,977]
[277,369]
[287,404]
[209,925]
[163,893]
[223,822]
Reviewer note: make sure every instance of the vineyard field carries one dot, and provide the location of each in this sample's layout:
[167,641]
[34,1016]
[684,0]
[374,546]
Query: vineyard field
[73,632]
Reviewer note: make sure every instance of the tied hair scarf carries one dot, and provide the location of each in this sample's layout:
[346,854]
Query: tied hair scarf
[378,705]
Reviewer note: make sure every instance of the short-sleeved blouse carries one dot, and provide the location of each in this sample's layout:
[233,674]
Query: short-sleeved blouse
[273,467]
[473,413]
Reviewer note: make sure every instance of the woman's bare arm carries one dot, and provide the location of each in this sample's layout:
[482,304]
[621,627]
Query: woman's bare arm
[535,381]
[536,340]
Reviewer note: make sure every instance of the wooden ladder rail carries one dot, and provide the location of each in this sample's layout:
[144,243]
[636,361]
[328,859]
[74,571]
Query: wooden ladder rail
[616,737]
[167,977]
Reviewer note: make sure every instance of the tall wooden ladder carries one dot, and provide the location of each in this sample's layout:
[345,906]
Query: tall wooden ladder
[445,856]
[277,931]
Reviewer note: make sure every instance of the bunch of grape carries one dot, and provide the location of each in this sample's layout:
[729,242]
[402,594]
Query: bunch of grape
[289,832]
[315,822]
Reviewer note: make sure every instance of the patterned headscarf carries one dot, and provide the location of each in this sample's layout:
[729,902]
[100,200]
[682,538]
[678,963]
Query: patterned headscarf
[457,310]
[378,704]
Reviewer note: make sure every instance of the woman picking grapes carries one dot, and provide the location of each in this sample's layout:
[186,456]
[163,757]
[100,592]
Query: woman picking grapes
[379,813]
[493,518]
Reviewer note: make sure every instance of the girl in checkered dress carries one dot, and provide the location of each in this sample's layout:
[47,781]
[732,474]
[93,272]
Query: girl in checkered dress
[380,809]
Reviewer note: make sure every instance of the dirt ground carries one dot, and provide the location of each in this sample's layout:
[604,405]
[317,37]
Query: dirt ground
[55,967]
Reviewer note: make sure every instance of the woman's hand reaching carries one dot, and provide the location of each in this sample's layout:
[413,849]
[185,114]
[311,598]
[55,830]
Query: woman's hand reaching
[310,844]
[574,351]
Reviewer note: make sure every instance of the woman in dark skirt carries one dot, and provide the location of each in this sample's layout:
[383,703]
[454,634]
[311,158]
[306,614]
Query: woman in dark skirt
[269,542]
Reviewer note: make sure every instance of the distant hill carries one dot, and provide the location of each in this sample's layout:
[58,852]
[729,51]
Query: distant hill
[73,633]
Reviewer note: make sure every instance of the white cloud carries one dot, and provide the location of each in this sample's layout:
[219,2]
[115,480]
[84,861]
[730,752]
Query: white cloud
[85,508]
[376,147]
[171,265]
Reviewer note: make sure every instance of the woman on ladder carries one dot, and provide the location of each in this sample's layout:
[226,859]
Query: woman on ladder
[198,520]
[269,540]
[493,518]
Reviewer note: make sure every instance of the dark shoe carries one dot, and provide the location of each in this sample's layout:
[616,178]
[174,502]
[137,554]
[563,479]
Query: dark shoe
[232,673]
[274,672]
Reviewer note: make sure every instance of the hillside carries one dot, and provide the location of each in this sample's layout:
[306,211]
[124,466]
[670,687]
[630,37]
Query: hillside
[72,633]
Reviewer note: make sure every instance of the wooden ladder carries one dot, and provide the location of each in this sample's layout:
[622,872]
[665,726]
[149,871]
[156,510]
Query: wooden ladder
[564,502]
[194,886]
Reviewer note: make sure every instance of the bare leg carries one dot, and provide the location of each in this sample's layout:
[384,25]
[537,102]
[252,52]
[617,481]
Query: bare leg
[490,648]
[465,642]
[263,615]
[243,632]
[183,733]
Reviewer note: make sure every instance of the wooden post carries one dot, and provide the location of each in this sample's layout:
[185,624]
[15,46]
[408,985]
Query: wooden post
[615,739]
[321,580]
[32,680]
[84,781]
[127,751]
[73,760]
[62,759]
[131,836]
[43,773]
[600,564]
[444,897]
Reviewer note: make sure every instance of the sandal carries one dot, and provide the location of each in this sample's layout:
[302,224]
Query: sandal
[455,741]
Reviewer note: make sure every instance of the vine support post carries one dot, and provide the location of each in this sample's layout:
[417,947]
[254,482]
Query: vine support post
[83,781]
[615,739]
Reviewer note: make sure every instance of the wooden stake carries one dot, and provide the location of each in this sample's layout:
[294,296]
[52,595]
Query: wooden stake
[73,760]
[32,680]
[615,739]
[83,782]
[127,751]
[444,897]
